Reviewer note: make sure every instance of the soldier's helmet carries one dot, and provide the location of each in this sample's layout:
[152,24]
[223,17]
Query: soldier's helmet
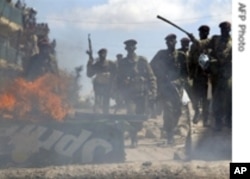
[204,28]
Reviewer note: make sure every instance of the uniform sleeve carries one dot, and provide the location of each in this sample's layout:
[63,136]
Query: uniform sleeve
[157,65]
[151,79]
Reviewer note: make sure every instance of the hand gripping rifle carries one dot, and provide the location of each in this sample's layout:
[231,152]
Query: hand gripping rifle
[178,27]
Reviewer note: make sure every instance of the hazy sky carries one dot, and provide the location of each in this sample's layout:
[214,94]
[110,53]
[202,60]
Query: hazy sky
[111,22]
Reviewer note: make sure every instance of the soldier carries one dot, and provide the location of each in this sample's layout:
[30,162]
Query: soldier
[220,69]
[118,91]
[138,81]
[200,78]
[170,70]
[119,57]
[184,45]
[185,49]
[104,72]
[43,62]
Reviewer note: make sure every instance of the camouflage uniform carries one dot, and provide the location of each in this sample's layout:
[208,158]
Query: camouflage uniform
[138,82]
[104,72]
[170,70]
[200,79]
[220,68]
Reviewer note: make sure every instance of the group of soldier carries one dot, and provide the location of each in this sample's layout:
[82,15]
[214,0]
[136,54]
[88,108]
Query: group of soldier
[156,87]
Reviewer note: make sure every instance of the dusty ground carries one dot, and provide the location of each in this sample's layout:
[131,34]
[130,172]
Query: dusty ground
[134,170]
[152,159]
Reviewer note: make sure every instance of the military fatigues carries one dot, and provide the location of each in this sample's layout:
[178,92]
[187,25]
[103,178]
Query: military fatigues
[170,70]
[118,89]
[138,82]
[186,80]
[104,72]
[200,83]
[220,68]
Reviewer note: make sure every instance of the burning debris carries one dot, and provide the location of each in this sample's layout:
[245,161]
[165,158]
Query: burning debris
[47,97]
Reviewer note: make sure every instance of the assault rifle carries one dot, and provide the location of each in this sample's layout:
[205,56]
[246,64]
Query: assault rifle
[90,51]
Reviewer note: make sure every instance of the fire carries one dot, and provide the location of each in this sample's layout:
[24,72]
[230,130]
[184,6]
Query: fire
[45,98]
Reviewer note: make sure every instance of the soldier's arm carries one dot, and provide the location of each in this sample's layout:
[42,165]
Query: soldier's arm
[151,79]
[157,66]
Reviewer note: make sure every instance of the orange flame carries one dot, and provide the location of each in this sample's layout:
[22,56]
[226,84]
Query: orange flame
[46,97]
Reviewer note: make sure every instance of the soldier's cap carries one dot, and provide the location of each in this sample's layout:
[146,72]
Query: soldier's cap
[102,50]
[204,28]
[130,42]
[170,37]
[185,39]
[225,24]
